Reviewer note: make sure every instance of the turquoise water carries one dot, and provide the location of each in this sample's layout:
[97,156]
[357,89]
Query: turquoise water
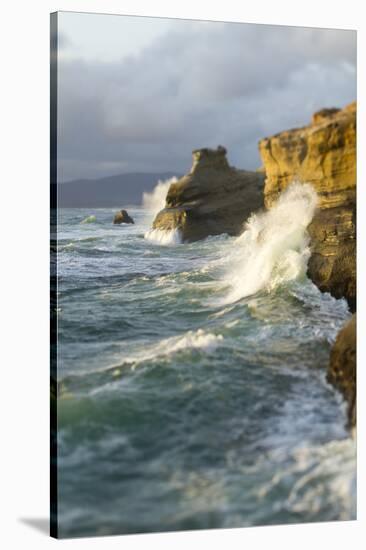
[179,409]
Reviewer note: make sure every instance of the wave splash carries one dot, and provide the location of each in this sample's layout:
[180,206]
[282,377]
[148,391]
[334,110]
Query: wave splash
[274,247]
[155,201]
[164,237]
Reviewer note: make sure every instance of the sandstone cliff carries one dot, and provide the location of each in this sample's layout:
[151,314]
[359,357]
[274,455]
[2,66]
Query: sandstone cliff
[212,198]
[342,367]
[323,154]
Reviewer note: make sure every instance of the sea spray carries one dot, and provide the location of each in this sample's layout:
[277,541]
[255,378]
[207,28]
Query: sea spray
[274,247]
[155,201]
[164,237]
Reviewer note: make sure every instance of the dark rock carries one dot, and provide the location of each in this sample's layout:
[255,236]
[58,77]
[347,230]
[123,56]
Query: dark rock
[212,198]
[122,217]
[342,367]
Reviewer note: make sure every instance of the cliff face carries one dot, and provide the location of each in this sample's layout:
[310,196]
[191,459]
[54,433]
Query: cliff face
[342,367]
[323,154]
[212,198]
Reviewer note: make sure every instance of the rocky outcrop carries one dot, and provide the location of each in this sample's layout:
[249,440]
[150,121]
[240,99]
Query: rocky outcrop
[323,154]
[122,217]
[342,367]
[212,198]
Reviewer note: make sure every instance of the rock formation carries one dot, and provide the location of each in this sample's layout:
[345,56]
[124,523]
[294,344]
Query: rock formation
[342,367]
[323,154]
[212,198]
[122,217]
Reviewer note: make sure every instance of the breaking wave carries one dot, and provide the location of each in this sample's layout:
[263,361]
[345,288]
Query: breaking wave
[155,201]
[191,340]
[274,247]
[199,339]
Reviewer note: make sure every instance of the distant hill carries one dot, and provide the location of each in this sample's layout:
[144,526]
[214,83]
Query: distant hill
[114,191]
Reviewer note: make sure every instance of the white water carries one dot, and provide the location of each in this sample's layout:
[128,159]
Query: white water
[324,473]
[164,237]
[155,201]
[274,247]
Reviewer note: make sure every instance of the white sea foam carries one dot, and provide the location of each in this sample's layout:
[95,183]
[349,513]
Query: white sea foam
[155,201]
[333,463]
[324,478]
[164,237]
[274,247]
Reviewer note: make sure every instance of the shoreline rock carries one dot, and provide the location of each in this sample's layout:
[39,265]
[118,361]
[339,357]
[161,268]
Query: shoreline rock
[213,198]
[324,155]
[342,367]
[122,217]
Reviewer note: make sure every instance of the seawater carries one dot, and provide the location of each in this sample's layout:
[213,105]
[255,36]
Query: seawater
[192,390]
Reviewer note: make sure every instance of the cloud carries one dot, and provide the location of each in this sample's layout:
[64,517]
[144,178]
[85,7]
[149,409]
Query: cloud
[207,84]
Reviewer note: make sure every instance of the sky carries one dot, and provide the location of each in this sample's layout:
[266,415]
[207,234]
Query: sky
[138,94]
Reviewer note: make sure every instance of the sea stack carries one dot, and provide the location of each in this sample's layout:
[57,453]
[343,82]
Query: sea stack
[122,217]
[324,155]
[212,198]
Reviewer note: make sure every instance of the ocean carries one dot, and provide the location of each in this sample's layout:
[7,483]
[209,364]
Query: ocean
[191,377]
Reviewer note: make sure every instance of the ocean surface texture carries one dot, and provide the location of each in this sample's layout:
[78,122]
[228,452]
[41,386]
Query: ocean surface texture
[192,389]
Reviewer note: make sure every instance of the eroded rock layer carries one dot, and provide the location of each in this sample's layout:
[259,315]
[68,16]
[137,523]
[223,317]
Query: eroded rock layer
[212,198]
[323,154]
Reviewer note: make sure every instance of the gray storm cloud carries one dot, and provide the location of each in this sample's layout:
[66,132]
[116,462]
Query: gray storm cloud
[207,84]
